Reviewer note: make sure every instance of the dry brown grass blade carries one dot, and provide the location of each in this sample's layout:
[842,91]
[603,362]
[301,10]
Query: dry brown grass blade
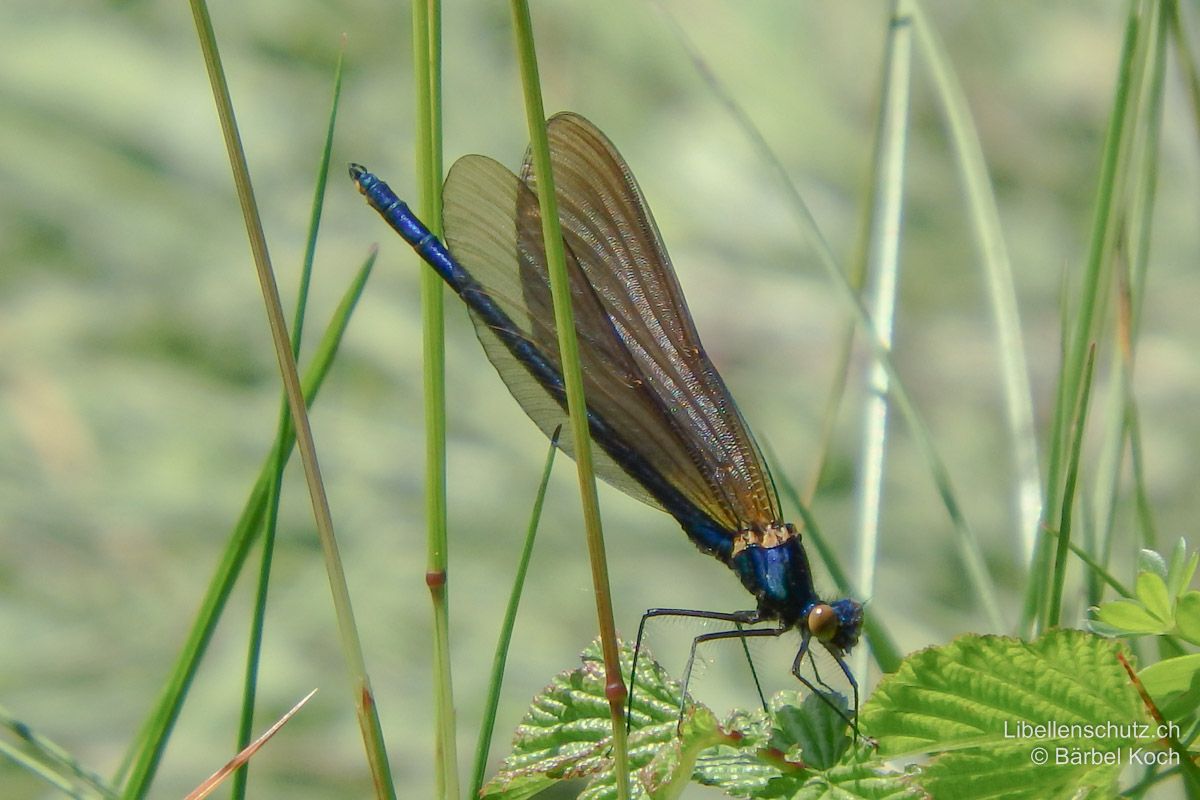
[217,778]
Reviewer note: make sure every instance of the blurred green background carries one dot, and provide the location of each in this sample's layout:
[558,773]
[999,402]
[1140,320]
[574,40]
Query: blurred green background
[138,387]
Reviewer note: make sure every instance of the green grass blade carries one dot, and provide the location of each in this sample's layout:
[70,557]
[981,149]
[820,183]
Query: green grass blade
[318,206]
[1039,581]
[37,768]
[1097,271]
[254,649]
[331,340]
[50,762]
[1145,167]
[883,264]
[1145,512]
[1107,493]
[997,269]
[427,71]
[152,740]
[361,692]
[496,679]
[1121,416]
[572,379]
[1079,420]
[1096,568]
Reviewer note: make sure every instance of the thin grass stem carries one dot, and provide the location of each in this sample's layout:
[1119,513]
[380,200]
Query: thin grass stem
[883,265]
[254,649]
[427,63]
[504,640]
[1083,331]
[148,746]
[49,761]
[992,253]
[573,381]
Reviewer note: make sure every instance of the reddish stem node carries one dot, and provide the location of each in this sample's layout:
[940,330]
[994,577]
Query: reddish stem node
[616,693]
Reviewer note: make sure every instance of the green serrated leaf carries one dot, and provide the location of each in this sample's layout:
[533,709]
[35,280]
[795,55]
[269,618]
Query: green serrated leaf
[1187,616]
[671,769]
[812,732]
[668,773]
[566,735]
[1010,774]
[1152,591]
[1152,562]
[1129,617]
[1183,567]
[520,787]
[984,704]
[741,772]
[861,776]
[566,731]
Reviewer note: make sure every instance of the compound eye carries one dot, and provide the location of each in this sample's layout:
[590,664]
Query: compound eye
[823,622]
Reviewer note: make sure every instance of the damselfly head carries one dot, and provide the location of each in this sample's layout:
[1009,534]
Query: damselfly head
[838,624]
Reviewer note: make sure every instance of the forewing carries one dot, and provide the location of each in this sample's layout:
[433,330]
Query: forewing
[645,371]
[608,226]
[493,228]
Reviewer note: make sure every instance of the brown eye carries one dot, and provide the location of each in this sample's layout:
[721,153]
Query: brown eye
[823,622]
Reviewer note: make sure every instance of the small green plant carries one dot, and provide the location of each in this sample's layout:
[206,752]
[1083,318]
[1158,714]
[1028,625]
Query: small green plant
[1165,608]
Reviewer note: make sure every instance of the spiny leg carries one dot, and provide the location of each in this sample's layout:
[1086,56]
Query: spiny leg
[797,670]
[816,669]
[762,698]
[738,633]
[738,618]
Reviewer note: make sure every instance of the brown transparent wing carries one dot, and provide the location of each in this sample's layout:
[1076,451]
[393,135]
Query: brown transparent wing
[645,370]
[480,217]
